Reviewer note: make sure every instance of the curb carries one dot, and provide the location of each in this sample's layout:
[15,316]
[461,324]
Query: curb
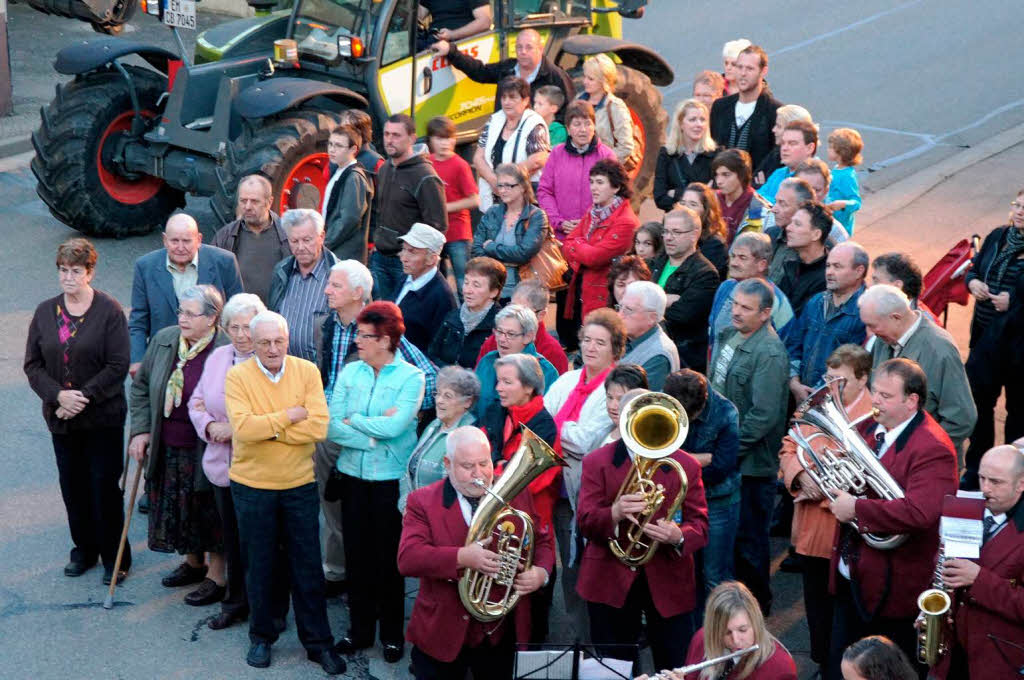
[902,193]
[15,145]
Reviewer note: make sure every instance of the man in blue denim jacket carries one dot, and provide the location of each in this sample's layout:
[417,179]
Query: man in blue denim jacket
[830,319]
[714,440]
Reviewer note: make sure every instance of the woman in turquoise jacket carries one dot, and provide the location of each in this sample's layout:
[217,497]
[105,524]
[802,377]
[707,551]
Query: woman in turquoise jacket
[373,419]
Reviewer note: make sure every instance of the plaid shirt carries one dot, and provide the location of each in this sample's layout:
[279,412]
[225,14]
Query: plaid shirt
[341,343]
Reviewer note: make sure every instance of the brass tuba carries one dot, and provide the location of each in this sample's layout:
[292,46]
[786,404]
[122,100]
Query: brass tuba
[846,462]
[935,621]
[653,427]
[486,597]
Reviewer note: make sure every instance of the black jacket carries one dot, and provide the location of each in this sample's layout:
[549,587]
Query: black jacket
[548,74]
[408,192]
[674,171]
[451,343]
[760,138]
[717,253]
[347,214]
[686,320]
[424,310]
[542,424]
[1002,332]
[800,282]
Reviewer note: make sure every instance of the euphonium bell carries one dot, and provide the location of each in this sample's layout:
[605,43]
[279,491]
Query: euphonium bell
[653,426]
[486,597]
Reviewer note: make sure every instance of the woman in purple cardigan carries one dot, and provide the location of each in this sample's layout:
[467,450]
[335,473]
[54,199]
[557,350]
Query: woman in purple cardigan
[76,360]
[208,413]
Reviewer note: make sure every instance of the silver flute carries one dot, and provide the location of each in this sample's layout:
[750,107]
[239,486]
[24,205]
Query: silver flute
[663,675]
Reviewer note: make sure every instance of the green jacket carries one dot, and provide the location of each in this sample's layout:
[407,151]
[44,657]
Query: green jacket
[150,386]
[756,382]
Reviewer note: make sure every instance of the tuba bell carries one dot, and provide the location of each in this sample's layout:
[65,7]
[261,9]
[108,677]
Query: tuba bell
[846,462]
[653,427]
[488,597]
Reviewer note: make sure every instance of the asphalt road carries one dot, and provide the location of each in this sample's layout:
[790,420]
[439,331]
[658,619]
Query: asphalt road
[920,79]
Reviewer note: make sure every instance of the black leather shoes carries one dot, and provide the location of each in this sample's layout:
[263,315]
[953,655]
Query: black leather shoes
[208,592]
[184,575]
[226,619]
[75,568]
[259,655]
[392,653]
[347,645]
[328,660]
[108,575]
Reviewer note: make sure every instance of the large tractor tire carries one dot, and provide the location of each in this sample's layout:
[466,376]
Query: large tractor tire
[289,149]
[76,179]
[649,124]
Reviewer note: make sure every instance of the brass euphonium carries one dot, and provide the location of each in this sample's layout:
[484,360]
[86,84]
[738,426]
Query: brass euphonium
[487,597]
[653,427]
[846,462]
[935,621]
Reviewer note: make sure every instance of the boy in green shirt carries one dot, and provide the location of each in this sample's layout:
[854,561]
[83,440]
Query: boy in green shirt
[547,101]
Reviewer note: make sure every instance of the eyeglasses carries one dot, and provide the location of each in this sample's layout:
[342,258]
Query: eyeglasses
[498,333]
[367,336]
[677,233]
[336,145]
[505,185]
[189,315]
[1016,206]
[629,311]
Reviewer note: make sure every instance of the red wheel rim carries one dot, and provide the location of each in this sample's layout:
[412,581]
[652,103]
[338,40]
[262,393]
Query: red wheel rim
[639,140]
[122,189]
[304,185]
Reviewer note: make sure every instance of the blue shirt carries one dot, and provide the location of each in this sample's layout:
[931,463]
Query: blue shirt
[774,181]
[845,187]
[303,304]
[716,430]
[489,378]
[818,330]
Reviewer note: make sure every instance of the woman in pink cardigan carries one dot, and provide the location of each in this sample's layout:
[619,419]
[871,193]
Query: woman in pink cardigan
[564,190]
[208,413]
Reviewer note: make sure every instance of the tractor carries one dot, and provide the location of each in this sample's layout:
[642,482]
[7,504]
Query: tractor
[121,144]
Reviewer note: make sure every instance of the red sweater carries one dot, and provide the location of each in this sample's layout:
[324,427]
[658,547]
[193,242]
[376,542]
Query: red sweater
[590,256]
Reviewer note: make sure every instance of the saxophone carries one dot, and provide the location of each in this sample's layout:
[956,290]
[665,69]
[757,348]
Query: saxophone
[935,622]
[486,597]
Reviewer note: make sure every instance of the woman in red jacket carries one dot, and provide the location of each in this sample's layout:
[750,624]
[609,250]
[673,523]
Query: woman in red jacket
[604,233]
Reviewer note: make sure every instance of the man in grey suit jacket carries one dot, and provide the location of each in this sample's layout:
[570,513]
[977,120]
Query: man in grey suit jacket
[162,274]
[903,332]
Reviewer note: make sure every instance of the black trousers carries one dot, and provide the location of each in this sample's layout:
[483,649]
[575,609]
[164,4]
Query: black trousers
[89,465]
[372,526]
[487,662]
[668,637]
[236,601]
[818,606]
[988,377]
[848,626]
[268,519]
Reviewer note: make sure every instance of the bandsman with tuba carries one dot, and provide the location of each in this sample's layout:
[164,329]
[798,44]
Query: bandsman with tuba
[876,588]
[988,630]
[448,636]
[642,509]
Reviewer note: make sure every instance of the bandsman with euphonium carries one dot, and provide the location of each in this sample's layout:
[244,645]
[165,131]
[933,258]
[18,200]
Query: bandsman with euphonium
[642,509]
[453,632]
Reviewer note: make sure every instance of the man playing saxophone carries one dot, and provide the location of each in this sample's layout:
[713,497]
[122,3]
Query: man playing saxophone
[447,639]
[663,589]
[988,640]
[876,590]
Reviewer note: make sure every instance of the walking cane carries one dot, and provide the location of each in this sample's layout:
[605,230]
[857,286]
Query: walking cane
[109,602]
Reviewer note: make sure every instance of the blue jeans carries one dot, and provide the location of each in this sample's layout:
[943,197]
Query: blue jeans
[458,253]
[723,521]
[753,560]
[267,518]
[387,275]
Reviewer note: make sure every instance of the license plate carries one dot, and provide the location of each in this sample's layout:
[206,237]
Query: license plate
[180,13]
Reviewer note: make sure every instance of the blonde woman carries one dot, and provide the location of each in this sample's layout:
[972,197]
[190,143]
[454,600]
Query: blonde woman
[614,124]
[733,621]
[784,115]
[686,156]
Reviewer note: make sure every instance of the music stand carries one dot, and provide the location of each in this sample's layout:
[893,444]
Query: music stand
[564,661]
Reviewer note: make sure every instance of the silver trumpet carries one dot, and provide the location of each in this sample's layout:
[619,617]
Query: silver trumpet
[664,675]
[846,462]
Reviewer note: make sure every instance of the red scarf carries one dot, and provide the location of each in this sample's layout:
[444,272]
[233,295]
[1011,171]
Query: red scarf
[570,411]
[543,488]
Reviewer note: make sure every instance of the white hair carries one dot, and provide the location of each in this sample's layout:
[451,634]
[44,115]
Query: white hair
[651,294]
[267,316]
[885,299]
[241,303]
[524,316]
[732,49]
[461,437]
[358,276]
[297,216]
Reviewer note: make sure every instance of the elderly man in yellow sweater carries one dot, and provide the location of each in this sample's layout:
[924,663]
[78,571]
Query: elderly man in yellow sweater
[277,411]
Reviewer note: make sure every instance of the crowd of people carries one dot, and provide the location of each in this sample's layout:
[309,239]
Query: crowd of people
[320,398]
